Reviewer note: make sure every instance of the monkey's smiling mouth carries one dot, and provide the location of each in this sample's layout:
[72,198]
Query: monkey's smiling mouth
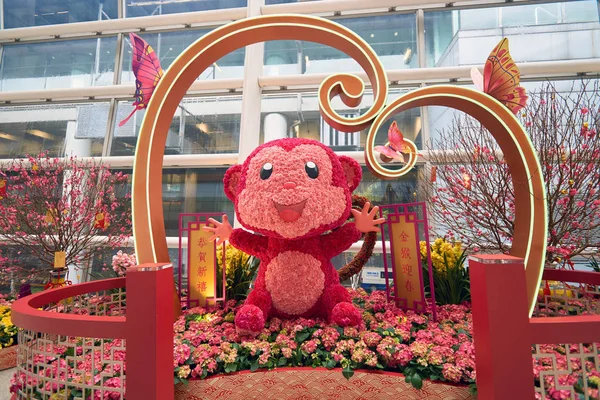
[291,212]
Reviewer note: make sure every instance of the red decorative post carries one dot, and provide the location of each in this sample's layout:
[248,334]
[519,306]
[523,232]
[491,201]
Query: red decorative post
[150,332]
[501,328]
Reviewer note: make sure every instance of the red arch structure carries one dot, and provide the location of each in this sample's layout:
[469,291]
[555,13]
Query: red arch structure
[148,219]
[531,225]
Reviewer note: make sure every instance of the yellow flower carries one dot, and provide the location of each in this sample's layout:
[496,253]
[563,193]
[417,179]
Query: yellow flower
[444,254]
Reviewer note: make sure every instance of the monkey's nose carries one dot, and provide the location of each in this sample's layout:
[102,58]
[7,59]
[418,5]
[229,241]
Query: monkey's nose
[289,185]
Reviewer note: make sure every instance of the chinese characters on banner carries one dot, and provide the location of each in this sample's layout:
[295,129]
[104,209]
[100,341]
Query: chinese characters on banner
[406,259]
[202,264]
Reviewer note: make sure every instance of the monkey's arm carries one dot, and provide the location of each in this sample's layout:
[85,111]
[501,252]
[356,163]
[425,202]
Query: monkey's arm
[250,243]
[340,239]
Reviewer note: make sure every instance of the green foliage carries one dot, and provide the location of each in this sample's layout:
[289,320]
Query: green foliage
[452,284]
[240,272]
[593,264]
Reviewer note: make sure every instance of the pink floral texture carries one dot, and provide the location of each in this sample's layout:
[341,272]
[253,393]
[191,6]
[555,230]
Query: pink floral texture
[121,261]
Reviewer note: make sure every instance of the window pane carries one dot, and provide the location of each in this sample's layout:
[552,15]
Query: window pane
[380,192]
[546,32]
[54,65]
[192,190]
[441,118]
[297,115]
[60,129]
[142,8]
[268,2]
[210,125]
[168,46]
[582,11]
[529,15]
[23,13]
[393,37]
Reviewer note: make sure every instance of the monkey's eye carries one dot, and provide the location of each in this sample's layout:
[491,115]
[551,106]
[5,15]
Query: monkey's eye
[311,170]
[266,171]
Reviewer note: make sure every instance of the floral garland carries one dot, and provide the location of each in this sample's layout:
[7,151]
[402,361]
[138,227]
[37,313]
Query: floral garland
[361,258]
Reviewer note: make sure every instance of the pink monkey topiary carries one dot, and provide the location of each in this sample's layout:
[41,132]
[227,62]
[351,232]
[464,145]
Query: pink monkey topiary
[291,193]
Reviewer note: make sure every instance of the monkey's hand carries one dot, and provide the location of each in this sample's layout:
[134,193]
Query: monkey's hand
[365,221]
[222,231]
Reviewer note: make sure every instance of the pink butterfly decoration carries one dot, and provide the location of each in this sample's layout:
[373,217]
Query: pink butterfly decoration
[501,78]
[395,146]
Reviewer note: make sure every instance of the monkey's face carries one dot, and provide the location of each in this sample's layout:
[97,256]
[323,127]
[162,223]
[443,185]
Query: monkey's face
[292,193]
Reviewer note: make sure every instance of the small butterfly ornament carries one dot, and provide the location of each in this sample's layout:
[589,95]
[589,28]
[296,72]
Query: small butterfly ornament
[395,147]
[147,70]
[501,78]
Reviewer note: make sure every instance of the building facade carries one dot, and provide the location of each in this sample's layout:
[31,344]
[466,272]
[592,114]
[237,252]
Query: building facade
[66,80]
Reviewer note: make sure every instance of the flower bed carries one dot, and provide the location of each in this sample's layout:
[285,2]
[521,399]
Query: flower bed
[423,351]
[206,343]
[8,332]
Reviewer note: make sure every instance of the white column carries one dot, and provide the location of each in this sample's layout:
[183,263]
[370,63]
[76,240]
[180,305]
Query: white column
[275,127]
[253,66]
[76,147]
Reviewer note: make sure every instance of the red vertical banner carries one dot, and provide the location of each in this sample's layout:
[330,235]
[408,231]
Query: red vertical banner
[409,288]
[2,188]
[202,265]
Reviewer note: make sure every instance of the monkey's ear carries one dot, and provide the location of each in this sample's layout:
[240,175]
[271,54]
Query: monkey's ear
[352,172]
[232,181]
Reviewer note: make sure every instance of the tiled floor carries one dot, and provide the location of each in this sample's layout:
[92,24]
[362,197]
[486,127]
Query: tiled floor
[5,383]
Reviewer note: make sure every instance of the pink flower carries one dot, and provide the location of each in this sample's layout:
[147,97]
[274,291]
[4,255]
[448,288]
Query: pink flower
[181,353]
[584,110]
[451,372]
[572,192]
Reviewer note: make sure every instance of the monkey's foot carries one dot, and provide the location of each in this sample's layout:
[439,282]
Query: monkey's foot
[345,314]
[249,320]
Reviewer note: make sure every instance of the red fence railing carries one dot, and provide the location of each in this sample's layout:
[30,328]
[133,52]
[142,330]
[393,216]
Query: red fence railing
[507,341]
[52,321]
[504,334]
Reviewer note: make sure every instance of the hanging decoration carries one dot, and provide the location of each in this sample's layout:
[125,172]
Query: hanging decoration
[60,259]
[466,181]
[2,188]
[395,146]
[433,176]
[147,70]
[100,221]
[51,216]
[501,78]
[59,275]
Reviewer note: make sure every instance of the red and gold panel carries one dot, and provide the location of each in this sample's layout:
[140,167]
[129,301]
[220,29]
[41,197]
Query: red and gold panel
[406,261]
[202,265]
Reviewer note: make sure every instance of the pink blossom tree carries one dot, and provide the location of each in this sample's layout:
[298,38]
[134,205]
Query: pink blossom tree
[63,204]
[473,195]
